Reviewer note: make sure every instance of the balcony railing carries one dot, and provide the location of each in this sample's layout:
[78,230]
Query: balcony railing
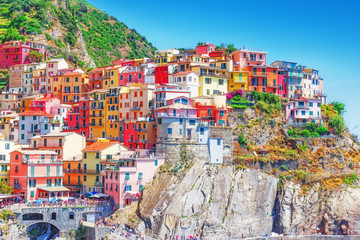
[135,108]
[83,108]
[17,186]
[34,130]
[73,171]
[97,107]
[96,115]
[96,124]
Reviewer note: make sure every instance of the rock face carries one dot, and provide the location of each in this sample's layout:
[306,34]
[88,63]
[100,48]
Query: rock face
[213,202]
[333,213]
[219,202]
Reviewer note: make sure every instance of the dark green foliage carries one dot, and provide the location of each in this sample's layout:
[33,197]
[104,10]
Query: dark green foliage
[103,35]
[305,133]
[242,140]
[266,102]
[337,123]
[339,107]
[310,129]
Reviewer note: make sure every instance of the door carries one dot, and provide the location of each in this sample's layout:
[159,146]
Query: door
[97,168]
[189,133]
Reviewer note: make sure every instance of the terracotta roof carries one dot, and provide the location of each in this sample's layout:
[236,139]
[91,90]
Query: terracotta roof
[183,73]
[74,74]
[97,69]
[99,146]
[35,113]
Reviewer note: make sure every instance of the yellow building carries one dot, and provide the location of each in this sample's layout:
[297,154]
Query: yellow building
[97,114]
[93,155]
[6,148]
[112,113]
[9,127]
[212,80]
[166,56]
[238,80]
[111,76]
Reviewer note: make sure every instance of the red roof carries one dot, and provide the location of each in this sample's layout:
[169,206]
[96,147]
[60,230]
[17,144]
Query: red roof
[182,73]
[35,113]
[99,146]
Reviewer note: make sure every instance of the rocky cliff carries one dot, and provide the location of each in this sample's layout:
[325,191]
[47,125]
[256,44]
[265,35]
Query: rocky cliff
[275,184]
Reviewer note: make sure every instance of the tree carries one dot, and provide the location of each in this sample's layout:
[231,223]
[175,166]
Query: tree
[201,44]
[5,188]
[337,123]
[12,34]
[36,55]
[339,107]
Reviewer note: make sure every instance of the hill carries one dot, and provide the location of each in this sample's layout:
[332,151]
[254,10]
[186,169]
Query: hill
[74,29]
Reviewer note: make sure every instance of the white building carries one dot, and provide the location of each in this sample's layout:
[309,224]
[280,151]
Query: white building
[186,80]
[216,150]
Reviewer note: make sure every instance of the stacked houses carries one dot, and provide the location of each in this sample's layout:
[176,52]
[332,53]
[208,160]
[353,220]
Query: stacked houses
[64,132]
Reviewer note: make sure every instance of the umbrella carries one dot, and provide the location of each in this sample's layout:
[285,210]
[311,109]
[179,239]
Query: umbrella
[100,195]
[53,200]
[93,193]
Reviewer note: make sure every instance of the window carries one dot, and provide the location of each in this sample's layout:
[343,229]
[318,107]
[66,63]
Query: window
[221,81]
[192,122]
[311,113]
[84,178]
[7,145]
[140,177]
[60,142]
[71,216]
[141,188]
[208,80]
[32,194]
[219,142]
[202,131]
[303,112]
[85,155]
[127,176]
[311,104]
[127,188]
[319,104]
[169,131]
[97,155]
[53,216]
[221,113]
[156,162]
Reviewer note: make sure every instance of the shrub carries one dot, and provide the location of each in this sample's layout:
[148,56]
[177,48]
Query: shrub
[350,179]
[339,107]
[284,168]
[242,140]
[321,130]
[315,134]
[305,133]
[290,132]
[337,123]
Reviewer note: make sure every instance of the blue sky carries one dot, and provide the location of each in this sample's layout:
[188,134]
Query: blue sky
[321,34]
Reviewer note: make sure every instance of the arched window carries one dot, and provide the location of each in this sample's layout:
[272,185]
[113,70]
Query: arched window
[53,216]
[71,215]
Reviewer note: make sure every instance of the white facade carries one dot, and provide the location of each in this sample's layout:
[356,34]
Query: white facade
[216,150]
[187,81]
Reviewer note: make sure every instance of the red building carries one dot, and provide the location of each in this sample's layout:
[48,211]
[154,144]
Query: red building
[140,134]
[95,78]
[131,75]
[282,83]
[84,105]
[211,114]
[205,49]
[17,52]
[263,78]
[216,54]
[37,174]
[162,74]
[71,122]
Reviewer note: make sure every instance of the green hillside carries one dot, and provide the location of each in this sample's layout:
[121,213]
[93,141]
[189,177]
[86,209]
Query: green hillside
[104,36]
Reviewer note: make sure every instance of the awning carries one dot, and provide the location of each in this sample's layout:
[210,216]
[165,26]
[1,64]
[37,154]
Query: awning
[54,189]
[100,195]
[2,196]
[130,192]
[74,187]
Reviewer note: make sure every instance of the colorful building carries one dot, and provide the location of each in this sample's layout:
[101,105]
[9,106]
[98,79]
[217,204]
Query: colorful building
[238,80]
[263,79]
[17,52]
[97,114]
[37,175]
[212,80]
[140,133]
[164,93]
[186,80]
[6,147]
[205,49]
[244,57]
[32,123]
[303,110]
[293,78]
[93,155]
[126,175]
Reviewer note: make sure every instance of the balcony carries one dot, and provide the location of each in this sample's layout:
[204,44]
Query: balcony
[83,108]
[82,116]
[34,131]
[42,161]
[255,60]
[96,125]
[17,186]
[135,108]
[73,171]
[70,127]
[141,130]
[96,79]
[96,107]
[91,171]
[96,115]
[97,184]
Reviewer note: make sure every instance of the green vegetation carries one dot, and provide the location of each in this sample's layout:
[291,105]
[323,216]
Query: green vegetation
[266,102]
[227,48]
[309,130]
[239,102]
[105,37]
[332,113]
[242,140]
[351,179]
[5,188]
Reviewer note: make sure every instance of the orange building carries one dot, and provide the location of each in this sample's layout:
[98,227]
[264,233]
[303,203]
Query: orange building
[73,86]
[263,79]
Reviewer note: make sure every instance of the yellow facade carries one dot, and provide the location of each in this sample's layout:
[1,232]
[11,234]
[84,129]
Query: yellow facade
[112,113]
[5,172]
[238,80]
[111,77]
[97,114]
[92,158]
[212,80]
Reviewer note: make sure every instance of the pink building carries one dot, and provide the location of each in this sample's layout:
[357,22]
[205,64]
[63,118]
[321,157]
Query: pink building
[282,83]
[37,174]
[17,52]
[243,58]
[126,176]
[303,110]
[205,49]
